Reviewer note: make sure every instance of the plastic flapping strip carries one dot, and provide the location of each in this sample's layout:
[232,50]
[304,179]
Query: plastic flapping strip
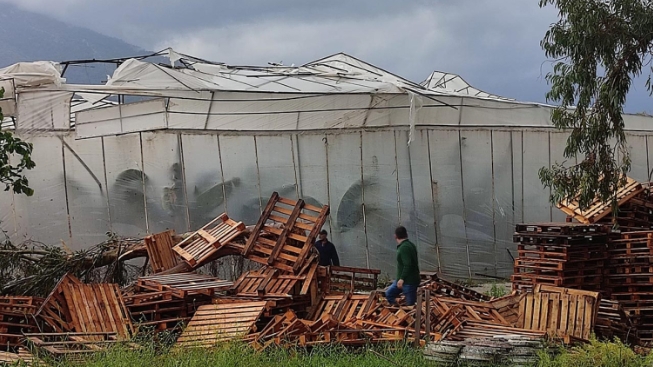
[416,104]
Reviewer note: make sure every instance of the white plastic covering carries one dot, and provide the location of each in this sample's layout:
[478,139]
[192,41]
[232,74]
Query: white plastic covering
[333,132]
[454,84]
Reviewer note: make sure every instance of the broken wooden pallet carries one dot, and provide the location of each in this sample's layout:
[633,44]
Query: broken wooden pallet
[159,251]
[23,357]
[201,245]
[599,209]
[161,310]
[469,329]
[349,279]
[20,304]
[73,346]
[217,323]
[91,308]
[184,284]
[287,222]
[439,286]
[343,307]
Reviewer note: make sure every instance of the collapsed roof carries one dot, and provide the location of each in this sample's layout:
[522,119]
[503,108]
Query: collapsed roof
[338,91]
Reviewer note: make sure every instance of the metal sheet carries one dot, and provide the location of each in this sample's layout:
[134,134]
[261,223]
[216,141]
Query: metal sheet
[43,217]
[276,168]
[639,157]
[558,142]
[477,182]
[503,197]
[203,177]
[517,143]
[346,192]
[240,172]
[536,155]
[87,194]
[124,170]
[448,194]
[166,198]
[381,198]
[416,196]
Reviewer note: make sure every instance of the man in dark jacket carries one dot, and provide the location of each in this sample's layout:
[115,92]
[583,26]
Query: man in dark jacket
[328,253]
[408,277]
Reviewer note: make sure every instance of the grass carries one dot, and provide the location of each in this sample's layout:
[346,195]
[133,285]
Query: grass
[243,355]
[594,354]
[497,291]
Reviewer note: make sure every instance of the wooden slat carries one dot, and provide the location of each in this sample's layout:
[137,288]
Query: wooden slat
[220,322]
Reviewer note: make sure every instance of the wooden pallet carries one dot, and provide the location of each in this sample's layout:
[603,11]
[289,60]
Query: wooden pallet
[217,323]
[344,307]
[22,358]
[21,305]
[292,227]
[345,279]
[90,308]
[612,321]
[184,284]
[159,251]
[470,329]
[161,311]
[599,209]
[74,346]
[208,240]
[273,283]
[558,229]
[560,312]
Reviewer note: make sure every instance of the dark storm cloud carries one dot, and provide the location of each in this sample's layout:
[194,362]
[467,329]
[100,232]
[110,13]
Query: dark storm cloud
[493,44]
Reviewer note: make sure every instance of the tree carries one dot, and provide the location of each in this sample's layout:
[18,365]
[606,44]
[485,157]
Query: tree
[599,46]
[12,175]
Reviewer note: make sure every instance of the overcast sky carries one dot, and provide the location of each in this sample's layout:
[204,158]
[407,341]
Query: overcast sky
[492,44]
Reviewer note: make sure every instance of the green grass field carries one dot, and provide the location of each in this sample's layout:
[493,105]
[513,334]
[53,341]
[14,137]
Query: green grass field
[595,354]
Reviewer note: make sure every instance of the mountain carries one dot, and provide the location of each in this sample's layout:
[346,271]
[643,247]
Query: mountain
[28,36]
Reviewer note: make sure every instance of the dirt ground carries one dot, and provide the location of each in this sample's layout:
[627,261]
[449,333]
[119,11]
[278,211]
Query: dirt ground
[487,287]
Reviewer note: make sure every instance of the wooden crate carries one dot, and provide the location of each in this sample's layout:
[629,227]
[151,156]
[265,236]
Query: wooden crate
[560,312]
[291,227]
[599,209]
[217,323]
[91,308]
[198,248]
[184,284]
[159,251]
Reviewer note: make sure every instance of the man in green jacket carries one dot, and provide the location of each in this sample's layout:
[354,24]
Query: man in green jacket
[407,270]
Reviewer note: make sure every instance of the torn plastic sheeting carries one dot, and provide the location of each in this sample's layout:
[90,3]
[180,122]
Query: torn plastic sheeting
[33,73]
[416,103]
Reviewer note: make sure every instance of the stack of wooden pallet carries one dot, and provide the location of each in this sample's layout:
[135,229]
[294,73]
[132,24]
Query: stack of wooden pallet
[629,278]
[612,321]
[560,254]
[17,317]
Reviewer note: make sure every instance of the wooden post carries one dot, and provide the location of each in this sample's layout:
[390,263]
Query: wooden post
[418,317]
[427,296]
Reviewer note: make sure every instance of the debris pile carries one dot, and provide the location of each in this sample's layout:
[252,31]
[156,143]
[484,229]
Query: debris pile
[564,277]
